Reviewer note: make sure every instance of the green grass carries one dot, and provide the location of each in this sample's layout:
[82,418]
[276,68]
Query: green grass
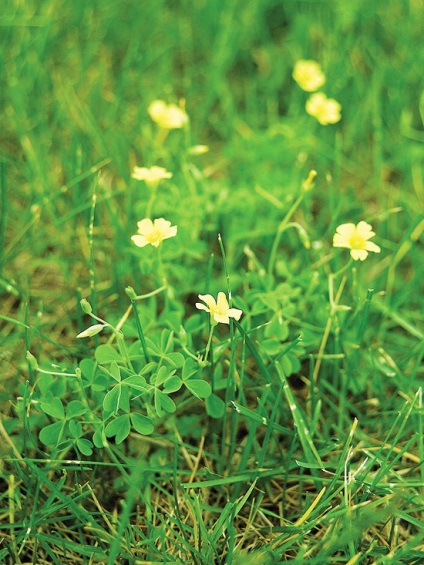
[296,434]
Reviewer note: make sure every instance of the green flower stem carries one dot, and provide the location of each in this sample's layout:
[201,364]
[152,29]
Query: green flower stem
[161,135]
[189,353]
[135,297]
[208,345]
[343,269]
[3,200]
[123,348]
[281,228]
[161,270]
[119,338]
[334,301]
[140,330]
[91,246]
[56,373]
[150,203]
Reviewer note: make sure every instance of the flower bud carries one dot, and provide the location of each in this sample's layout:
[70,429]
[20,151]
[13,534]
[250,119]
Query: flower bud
[130,292]
[32,361]
[86,306]
[92,330]
[309,182]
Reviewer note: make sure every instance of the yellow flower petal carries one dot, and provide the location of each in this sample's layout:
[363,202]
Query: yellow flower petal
[139,240]
[346,229]
[365,229]
[221,318]
[201,306]
[235,313]
[208,299]
[222,302]
[145,226]
[371,246]
[360,254]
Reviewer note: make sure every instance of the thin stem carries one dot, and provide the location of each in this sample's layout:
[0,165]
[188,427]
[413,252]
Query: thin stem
[333,310]
[343,269]
[149,294]
[3,207]
[281,228]
[161,271]
[90,245]
[150,203]
[55,373]
[140,330]
[208,345]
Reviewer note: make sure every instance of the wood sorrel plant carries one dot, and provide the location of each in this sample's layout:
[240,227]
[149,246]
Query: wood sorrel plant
[126,386]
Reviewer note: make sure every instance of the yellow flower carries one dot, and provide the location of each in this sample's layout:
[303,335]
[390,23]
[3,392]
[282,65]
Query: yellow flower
[325,110]
[356,239]
[198,149]
[308,75]
[167,116]
[151,176]
[153,232]
[220,310]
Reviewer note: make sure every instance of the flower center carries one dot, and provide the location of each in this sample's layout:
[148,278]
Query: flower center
[155,236]
[357,241]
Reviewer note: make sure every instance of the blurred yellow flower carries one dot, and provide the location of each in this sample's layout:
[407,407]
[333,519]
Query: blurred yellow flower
[167,116]
[198,149]
[356,239]
[325,110]
[151,176]
[219,310]
[308,75]
[153,233]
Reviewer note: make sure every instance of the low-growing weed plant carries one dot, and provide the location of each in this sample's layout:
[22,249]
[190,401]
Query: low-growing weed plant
[211,282]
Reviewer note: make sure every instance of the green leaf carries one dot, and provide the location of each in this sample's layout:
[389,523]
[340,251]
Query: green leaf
[190,368]
[120,428]
[163,374]
[271,346]
[106,354]
[75,408]
[115,371]
[172,385]
[199,388]
[124,400]
[277,328]
[88,368]
[54,407]
[136,382]
[50,435]
[215,407]
[99,437]
[85,446]
[111,400]
[194,323]
[141,424]
[254,352]
[101,382]
[175,359]
[163,403]
[75,428]
[286,365]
